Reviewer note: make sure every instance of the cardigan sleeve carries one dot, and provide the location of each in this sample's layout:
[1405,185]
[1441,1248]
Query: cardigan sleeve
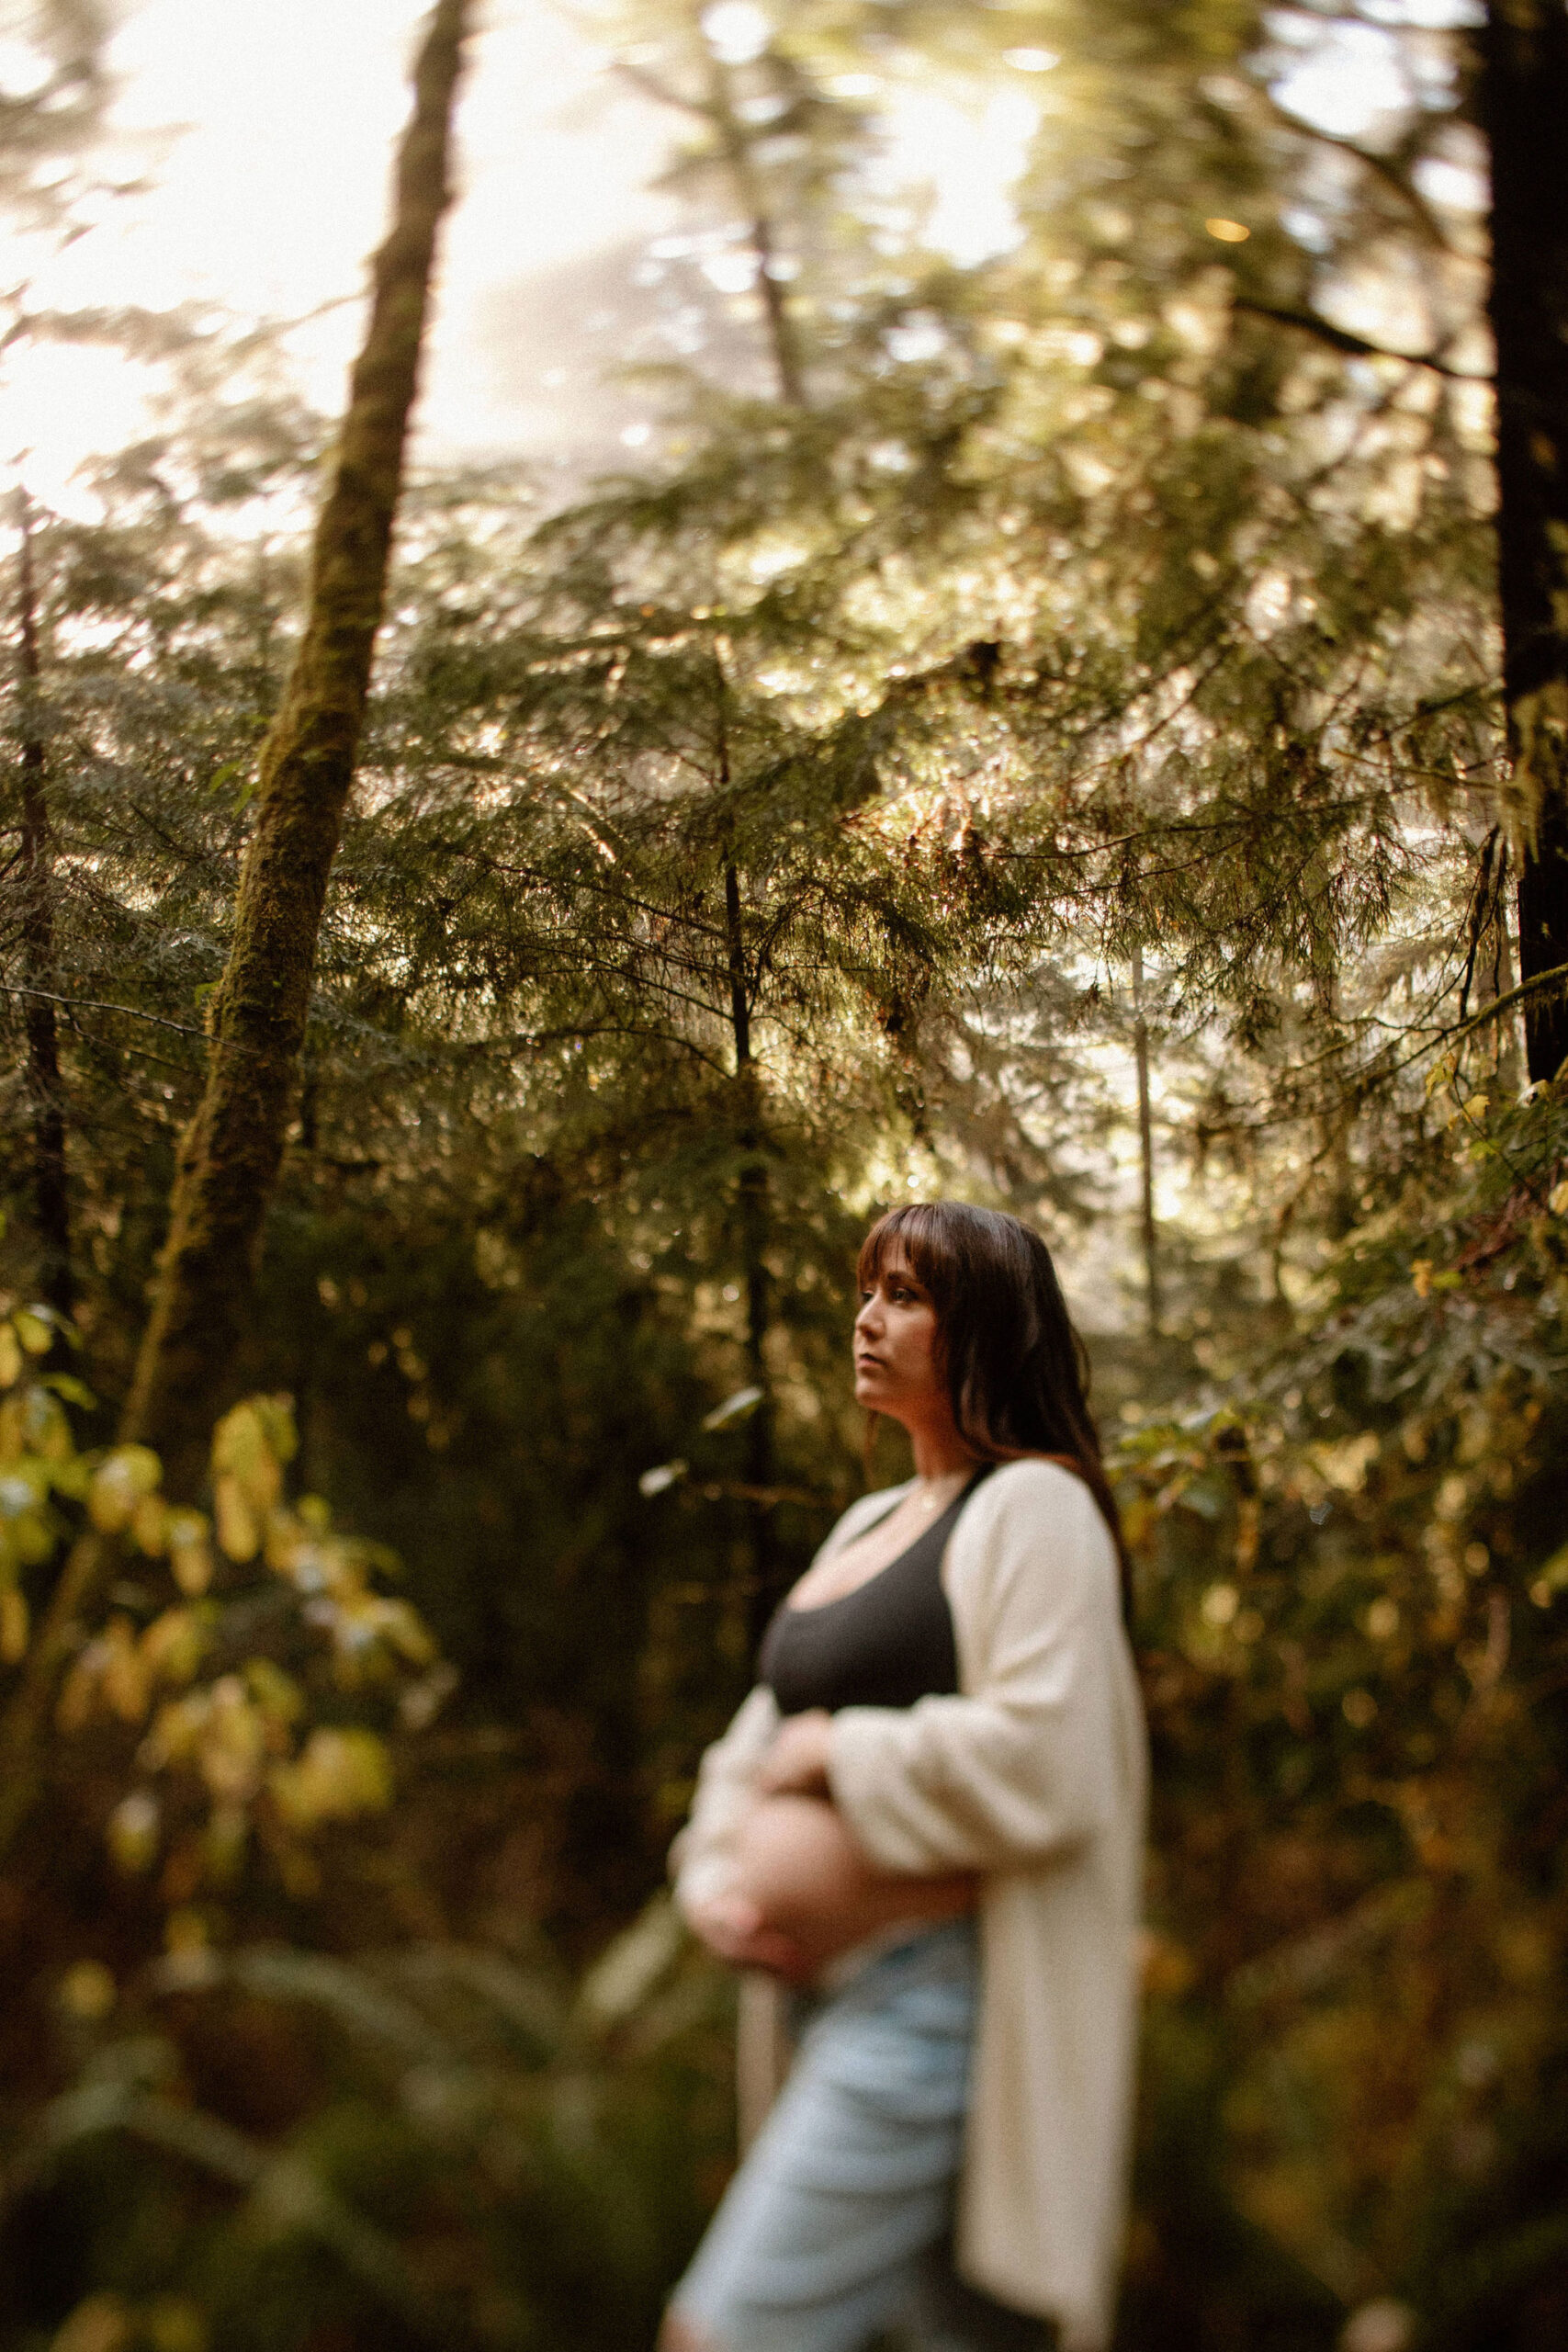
[700,1856]
[1024,1765]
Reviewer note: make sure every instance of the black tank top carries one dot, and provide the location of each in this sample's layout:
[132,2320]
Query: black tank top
[886,1643]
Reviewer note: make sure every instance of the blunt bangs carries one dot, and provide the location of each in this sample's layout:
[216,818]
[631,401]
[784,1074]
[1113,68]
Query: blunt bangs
[917,1231]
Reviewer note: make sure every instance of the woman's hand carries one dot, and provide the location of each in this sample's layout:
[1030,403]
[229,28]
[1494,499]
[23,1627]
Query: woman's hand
[735,1930]
[796,1763]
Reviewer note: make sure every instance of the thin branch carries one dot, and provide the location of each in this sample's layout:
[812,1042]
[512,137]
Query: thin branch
[1341,339]
[1384,166]
[1557,977]
[92,1004]
[653,87]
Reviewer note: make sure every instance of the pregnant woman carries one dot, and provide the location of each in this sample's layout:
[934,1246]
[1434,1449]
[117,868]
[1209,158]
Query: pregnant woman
[927,1817]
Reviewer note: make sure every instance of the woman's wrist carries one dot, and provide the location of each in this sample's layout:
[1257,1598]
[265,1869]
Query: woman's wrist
[796,1763]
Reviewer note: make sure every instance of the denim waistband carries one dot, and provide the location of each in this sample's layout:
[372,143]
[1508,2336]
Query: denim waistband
[948,1950]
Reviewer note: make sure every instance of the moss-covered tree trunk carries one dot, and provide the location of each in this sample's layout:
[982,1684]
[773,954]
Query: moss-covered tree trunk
[231,1153]
[1523,106]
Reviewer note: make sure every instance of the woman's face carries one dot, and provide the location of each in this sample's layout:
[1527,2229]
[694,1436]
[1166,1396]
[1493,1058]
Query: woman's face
[896,1370]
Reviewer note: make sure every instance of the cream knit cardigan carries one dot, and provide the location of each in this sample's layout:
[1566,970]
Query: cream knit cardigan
[1035,1775]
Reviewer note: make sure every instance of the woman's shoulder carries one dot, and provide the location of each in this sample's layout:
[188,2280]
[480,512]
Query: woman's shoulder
[1034,1481]
[1040,1502]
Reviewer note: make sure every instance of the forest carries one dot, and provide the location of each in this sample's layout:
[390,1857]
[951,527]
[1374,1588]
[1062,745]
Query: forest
[1083,730]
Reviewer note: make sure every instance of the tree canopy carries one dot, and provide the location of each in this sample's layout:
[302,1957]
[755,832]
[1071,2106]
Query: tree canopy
[1075,728]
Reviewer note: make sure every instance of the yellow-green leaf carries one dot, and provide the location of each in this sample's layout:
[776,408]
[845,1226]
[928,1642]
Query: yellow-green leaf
[278,1694]
[337,1775]
[125,1676]
[249,1448]
[120,1483]
[238,1530]
[173,1645]
[190,1554]
[150,1525]
[34,1330]
[133,1827]
[13,1624]
[88,1990]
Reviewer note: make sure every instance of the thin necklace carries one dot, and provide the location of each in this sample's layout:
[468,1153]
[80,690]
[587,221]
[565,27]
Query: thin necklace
[932,1494]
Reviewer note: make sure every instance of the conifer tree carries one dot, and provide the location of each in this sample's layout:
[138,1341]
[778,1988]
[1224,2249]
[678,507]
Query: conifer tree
[1522,98]
[45,126]
[40,986]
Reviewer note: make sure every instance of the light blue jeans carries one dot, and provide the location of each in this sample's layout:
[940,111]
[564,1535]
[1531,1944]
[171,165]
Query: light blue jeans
[826,2237]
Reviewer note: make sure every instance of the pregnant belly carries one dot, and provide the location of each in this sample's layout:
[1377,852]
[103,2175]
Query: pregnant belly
[798,1863]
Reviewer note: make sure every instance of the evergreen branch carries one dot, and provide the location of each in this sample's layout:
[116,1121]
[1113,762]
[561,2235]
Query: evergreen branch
[93,1004]
[685,921]
[578,1031]
[1395,1066]
[1537,983]
[1382,166]
[1341,339]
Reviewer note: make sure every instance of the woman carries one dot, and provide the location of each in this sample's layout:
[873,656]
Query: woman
[930,1811]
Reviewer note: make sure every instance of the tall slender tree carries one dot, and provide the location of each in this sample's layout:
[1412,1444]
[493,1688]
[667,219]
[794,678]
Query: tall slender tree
[231,1151]
[230,1154]
[1523,96]
[46,1108]
[1152,1304]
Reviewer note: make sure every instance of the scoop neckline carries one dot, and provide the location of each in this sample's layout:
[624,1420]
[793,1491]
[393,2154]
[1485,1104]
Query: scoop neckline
[816,1608]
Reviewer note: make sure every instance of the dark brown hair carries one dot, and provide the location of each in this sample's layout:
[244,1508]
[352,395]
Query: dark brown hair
[1017,1372]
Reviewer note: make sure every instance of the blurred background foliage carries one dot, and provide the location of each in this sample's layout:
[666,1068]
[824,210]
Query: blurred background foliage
[1028,730]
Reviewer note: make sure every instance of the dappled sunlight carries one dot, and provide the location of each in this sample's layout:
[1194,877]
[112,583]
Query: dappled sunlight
[944,638]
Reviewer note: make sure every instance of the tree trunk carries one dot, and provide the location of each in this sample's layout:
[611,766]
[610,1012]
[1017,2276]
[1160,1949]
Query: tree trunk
[51,1200]
[752,1202]
[1152,1304]
[735,137]
[1524,109]
[231,1153]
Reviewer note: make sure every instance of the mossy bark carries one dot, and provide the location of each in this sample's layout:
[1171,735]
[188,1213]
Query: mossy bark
[231,1153]
[1523,98]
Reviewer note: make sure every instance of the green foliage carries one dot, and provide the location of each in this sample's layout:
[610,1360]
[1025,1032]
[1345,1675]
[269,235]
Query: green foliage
[238,1672]
[504,2161]
[744,844]
[1355,1649]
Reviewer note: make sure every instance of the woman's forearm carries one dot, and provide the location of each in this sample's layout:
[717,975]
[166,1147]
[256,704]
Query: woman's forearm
[796,1861]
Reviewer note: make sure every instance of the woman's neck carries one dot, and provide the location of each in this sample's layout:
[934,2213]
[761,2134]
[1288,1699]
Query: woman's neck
[939,1453]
